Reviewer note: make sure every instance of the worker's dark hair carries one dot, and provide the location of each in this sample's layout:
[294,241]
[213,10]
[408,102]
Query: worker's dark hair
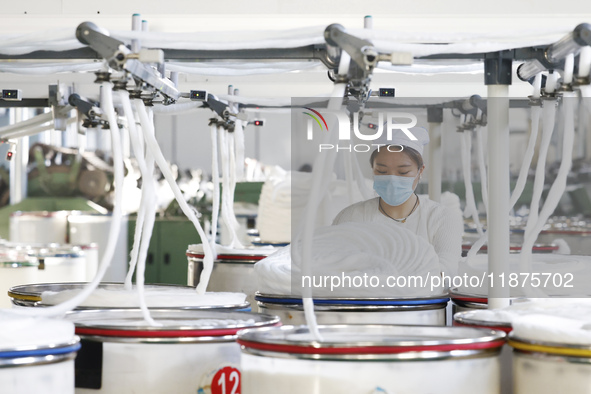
[413,154]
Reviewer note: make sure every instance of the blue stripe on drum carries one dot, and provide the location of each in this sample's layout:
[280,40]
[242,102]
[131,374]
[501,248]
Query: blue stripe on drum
[41,352]
[430,301]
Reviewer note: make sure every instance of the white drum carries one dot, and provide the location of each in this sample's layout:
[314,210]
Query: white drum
[36,355]
[548,368]
[41,227]
[14,273]
[22,264]
[463,301]
[87,229]
[61,263]
[577,239]
[371,359]
[428,311]
[192,352]
[575,231]
[468,319]
[91,253]
[233,270]
[553,270]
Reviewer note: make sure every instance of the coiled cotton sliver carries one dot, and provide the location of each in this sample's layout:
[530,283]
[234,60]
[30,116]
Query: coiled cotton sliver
[103,298]
[553,271]
[544,328]
[352,249]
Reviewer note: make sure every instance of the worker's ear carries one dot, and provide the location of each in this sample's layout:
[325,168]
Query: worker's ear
[421,171]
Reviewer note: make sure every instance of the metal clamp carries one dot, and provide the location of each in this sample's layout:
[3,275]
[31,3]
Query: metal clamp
[364,55]
[120,58]
[88,108]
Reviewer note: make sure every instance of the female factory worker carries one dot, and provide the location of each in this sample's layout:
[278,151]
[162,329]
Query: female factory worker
[397,172]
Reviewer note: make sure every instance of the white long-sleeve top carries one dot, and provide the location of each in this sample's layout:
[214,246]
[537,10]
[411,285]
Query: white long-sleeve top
[431,220]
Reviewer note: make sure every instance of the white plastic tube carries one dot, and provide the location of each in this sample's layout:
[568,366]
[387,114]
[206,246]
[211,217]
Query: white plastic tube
[115,226]
[569,64]
[191,213]
[537,86]
[8,131]
[499,191]
[584,62]
[551,82]
[29,131]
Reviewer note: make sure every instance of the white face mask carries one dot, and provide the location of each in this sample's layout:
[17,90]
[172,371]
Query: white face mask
[394,189]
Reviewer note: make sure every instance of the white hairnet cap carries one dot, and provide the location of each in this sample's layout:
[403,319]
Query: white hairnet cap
[399,137]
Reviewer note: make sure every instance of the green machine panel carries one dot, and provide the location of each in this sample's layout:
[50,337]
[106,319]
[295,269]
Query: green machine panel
[166,261]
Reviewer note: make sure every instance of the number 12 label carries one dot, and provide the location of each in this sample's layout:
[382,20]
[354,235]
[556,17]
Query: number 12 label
[226,381]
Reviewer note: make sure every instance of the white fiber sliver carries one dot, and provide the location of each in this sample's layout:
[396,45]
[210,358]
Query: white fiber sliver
[172,298]
[554,329]
[196,323]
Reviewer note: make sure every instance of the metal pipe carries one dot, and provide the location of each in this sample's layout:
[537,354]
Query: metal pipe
[572,43]
[136,25]
[6,131]
[498,194]
[32,131]
[18,164]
